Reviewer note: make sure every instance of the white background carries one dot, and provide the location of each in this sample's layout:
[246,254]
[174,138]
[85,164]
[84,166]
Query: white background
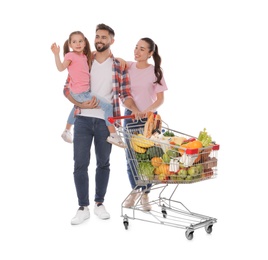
[215,64]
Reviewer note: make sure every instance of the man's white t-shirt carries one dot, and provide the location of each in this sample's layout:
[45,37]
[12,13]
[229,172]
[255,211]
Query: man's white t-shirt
[101,85]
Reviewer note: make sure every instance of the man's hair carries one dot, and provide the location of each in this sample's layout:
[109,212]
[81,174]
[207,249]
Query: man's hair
[103,26]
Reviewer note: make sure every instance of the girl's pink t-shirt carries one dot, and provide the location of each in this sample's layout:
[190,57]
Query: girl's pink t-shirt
[143,88]
[79,72]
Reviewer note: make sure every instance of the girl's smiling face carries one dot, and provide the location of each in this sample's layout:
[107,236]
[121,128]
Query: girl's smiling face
[77,43]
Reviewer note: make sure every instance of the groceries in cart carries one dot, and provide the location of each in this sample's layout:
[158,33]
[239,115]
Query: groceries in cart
[169,156]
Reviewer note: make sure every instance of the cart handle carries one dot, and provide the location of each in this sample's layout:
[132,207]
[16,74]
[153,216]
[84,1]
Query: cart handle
[113,119]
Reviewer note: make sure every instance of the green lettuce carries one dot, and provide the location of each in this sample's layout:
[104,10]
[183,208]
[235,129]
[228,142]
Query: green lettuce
[146,169]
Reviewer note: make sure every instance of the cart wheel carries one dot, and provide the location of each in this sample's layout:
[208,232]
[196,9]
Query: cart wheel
[189,234]
[125,222]
[126,225]
[164,212]
[208,229]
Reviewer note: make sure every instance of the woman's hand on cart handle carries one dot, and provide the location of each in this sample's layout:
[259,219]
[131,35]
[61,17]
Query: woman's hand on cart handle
[140,115]
[134,116]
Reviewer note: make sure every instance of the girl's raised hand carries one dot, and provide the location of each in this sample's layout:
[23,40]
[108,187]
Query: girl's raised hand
[55,48]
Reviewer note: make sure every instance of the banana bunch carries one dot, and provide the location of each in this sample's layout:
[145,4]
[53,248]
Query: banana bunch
[137,148]
[140,143]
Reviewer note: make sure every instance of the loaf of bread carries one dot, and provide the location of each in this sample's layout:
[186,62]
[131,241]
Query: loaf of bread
[152,125]
[149,125]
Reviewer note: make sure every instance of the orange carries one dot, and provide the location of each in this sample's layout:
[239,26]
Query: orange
[156,161]
[195,144]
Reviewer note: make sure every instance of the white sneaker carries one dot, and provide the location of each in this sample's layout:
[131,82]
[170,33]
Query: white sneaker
[145,202]
[116,141]
[131,199]
[67,136]
[101,212]
[81,215]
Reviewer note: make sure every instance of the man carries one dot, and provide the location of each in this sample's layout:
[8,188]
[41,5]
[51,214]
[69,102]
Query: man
[109,81]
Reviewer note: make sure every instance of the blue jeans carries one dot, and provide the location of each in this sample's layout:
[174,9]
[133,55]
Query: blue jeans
[130,164]
[86,131]
[71,118]
[103,104]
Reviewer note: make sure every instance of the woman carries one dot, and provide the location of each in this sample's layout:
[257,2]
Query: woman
[147,88]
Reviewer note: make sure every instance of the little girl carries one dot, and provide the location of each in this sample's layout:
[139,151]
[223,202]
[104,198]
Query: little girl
[78,63]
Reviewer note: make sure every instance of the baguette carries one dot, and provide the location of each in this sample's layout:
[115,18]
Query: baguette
[149,125]
[157,124]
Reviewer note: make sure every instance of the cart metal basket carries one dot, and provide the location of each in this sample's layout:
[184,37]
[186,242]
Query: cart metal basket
[163,160]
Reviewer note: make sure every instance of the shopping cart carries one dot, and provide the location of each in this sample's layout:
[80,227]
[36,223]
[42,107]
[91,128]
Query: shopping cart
[160,161]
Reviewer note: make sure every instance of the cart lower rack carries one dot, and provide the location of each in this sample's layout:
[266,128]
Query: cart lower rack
[158,163]
[169,212]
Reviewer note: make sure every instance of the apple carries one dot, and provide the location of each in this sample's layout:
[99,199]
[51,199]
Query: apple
[173,177]
[189,178]
[192,171]
[162,177]
[179,179]
[182,173]
[166,158]
[200,168]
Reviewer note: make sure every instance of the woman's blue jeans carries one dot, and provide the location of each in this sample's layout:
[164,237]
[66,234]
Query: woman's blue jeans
[86,131]
[130,164]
